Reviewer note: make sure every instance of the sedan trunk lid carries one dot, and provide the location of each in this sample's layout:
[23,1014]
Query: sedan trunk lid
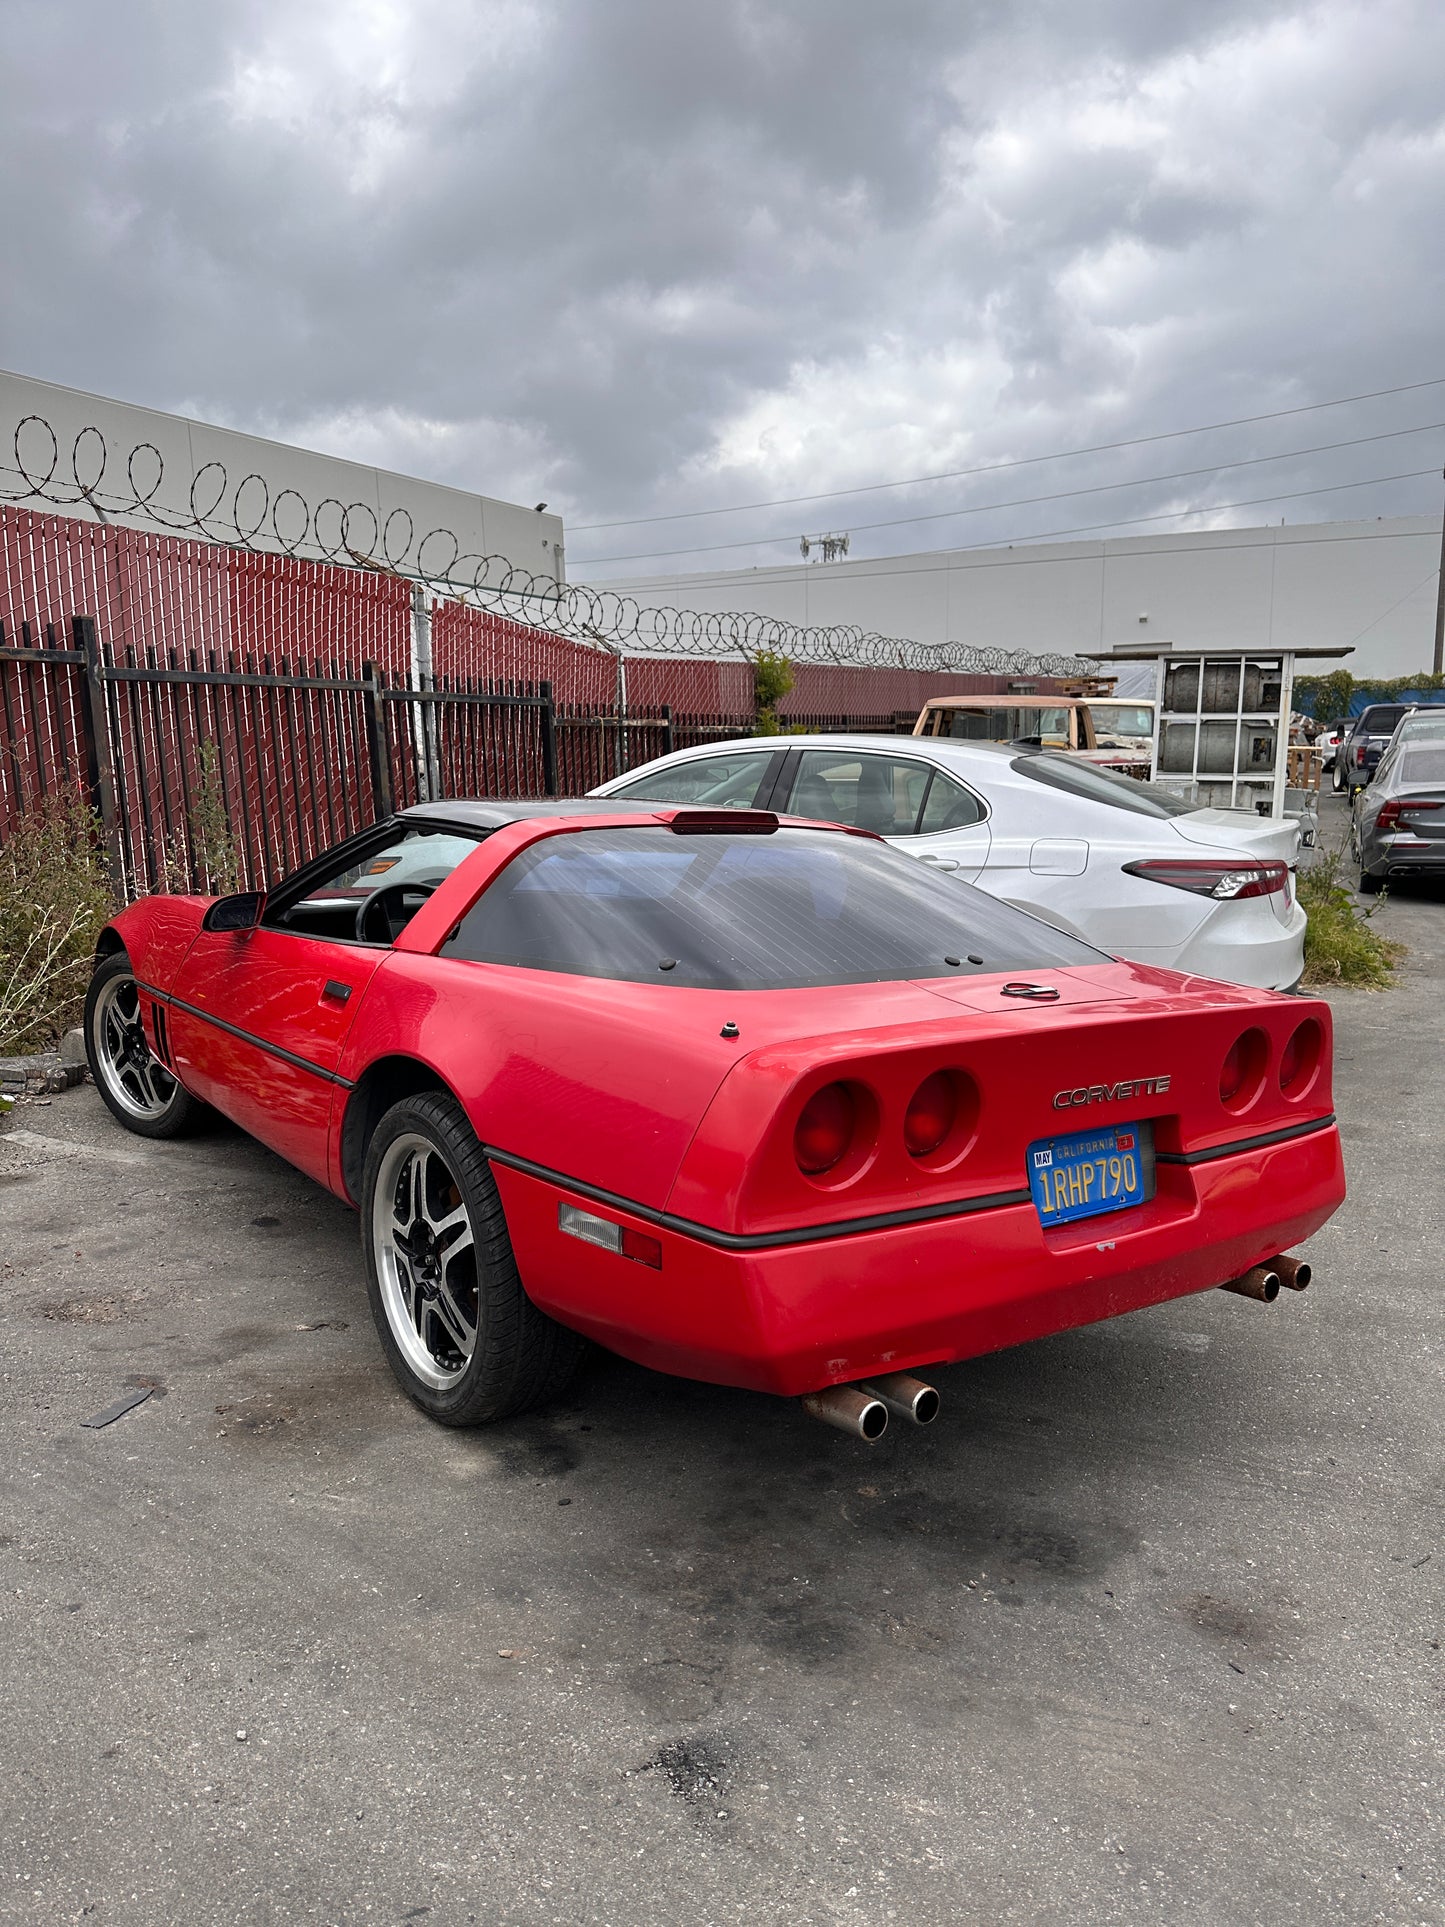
[1256,836]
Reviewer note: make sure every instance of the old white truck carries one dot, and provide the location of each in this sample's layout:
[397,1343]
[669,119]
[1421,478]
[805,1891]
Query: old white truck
[1084,726]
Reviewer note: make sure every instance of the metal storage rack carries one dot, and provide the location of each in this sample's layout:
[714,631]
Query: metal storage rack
[1221,729]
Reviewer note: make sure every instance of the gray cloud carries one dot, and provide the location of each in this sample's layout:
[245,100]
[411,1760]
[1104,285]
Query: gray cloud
[644,256]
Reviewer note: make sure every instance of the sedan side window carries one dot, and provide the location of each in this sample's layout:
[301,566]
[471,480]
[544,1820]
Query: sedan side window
[948,806]
[884,794]
[727,781]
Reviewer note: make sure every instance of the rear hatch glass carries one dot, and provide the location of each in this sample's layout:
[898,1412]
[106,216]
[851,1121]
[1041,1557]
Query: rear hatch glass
[746,912]
[1422,768]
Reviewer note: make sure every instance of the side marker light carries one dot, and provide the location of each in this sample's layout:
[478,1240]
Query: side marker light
[592,1230]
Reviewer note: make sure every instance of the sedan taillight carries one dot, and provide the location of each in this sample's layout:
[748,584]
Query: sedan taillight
[1397,808]
[1226,882]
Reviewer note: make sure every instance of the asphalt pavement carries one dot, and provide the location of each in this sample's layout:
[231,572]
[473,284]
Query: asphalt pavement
[1146,1628]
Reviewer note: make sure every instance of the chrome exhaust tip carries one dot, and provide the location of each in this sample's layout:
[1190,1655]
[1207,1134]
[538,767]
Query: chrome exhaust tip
[906,1397]
[1261,1283]
[850,1410]
[1294,1273]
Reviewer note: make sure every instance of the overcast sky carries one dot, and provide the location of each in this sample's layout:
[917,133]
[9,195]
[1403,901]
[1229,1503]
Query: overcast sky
[641,256]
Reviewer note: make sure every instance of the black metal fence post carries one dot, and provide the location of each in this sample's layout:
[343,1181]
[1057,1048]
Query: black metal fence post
[378,745]
[549,739]
[95,725]
[667,729]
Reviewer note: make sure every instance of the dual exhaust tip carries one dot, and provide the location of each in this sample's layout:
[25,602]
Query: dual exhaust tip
[864,1410]
[1263,1283]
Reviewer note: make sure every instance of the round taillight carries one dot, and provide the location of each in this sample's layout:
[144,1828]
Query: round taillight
[1231,1078]
[930,1116]
[1242,1072]
[1301,1058]
[825,1129]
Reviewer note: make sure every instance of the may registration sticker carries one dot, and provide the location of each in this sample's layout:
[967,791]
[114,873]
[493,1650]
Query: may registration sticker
[1091,1172]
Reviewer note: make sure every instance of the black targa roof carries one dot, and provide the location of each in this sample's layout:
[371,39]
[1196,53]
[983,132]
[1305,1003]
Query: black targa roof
[495,812]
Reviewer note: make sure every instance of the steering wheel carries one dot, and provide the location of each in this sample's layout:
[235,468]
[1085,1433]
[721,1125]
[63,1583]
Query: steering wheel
[387,911]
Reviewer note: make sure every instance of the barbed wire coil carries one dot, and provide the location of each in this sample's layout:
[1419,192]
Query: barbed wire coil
[251,518]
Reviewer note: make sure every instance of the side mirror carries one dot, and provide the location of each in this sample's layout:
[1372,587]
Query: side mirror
[240,912]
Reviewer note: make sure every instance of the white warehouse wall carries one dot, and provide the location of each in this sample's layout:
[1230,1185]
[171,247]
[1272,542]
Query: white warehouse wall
[482,524]
[1324,584]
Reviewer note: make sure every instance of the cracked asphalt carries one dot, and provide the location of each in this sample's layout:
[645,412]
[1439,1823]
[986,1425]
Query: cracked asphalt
[1146,1628]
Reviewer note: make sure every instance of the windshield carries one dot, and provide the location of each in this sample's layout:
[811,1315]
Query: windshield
[1102,786]
[1122,719]
[738,912]
[1008,723]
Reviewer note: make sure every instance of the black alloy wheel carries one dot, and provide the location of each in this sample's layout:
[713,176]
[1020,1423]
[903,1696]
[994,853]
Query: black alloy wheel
[460,1333]
[137,1087]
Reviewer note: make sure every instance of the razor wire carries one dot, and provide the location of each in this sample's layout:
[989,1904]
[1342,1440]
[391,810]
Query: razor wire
[250,517]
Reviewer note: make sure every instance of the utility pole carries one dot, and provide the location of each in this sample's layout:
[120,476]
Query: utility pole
[1438,665]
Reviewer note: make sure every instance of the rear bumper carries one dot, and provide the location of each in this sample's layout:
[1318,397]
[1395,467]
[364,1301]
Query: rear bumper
[794,1318]
[1402,857]
[1249,944]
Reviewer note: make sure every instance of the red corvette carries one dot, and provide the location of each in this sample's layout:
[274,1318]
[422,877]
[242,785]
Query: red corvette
[744,1099]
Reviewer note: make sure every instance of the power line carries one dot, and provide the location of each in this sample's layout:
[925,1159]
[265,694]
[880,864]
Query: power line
[1018,551]
[1027,501]
[1022,461]
[1392,608]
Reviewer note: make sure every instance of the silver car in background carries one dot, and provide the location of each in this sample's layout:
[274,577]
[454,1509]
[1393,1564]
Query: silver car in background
[1422,725]
[1399,821]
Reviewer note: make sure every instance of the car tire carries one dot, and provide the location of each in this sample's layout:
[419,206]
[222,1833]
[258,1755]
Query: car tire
[1337,778]
[139,1091]
[465,1341]
[1370,886]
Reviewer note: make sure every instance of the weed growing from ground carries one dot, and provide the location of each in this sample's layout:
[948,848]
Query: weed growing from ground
[1341,947]
[55,899]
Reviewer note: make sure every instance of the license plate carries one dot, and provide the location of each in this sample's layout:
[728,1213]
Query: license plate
[1091,1172]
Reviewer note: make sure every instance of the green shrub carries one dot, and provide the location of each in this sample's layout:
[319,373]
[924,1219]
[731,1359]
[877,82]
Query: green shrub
[202,855]
[55,899]
[772,679]
[1340,945]
[1329,696]
[216,867]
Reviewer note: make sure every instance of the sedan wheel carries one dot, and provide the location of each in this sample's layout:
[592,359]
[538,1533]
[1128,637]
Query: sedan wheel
[136,1086]
[461,1334]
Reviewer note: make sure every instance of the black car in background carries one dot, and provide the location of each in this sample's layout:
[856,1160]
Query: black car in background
[1360,753]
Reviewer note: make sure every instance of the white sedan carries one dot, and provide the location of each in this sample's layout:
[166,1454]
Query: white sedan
[1124,865]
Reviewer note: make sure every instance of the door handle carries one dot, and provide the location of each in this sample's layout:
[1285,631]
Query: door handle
[336,993]
[941,862]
